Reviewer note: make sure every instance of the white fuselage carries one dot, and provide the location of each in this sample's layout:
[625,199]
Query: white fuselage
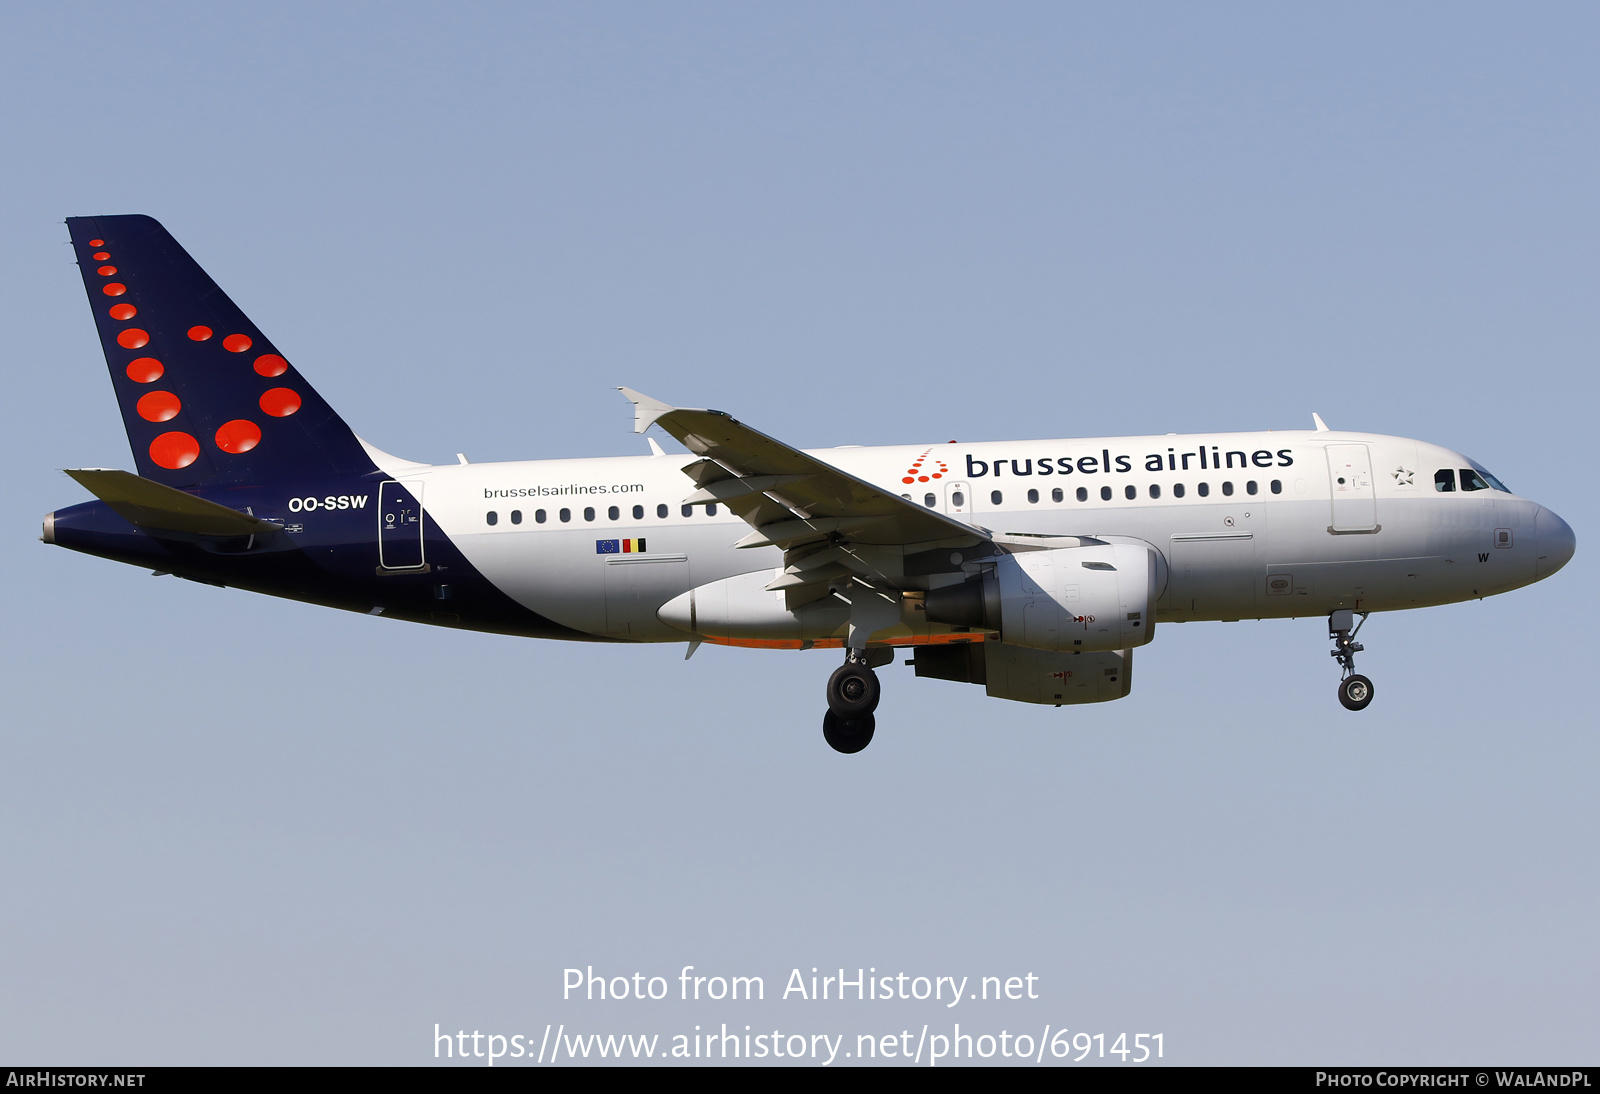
[1251,525]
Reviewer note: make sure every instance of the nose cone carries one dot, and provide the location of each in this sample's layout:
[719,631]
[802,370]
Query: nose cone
[1556,543]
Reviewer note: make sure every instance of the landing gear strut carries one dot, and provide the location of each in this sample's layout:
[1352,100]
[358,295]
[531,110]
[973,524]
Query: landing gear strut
[1355,690]
[853,694]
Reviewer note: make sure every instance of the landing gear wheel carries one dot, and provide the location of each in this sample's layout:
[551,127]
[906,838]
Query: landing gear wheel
[848,735]
[853,691]
[1355,692]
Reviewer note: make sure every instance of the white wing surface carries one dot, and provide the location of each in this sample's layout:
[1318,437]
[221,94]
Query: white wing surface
[831,525]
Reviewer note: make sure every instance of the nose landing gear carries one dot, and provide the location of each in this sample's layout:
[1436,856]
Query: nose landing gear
[1355,690]
[853,694]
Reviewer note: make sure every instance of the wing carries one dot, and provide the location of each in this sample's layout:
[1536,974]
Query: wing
[831,525]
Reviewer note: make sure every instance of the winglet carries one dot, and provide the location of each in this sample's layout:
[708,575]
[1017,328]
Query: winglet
[1322,426]
[645,409]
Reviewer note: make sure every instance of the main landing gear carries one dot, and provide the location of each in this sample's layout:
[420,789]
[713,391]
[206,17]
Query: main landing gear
[1355,690]
[853,694]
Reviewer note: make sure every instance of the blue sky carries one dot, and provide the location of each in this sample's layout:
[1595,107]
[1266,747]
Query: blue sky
[245,830]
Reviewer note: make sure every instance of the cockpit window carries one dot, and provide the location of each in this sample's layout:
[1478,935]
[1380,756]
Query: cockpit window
[1471,480]
[1492,481]
[1444,480]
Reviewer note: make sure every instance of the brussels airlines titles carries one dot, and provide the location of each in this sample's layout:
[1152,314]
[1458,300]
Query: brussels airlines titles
[1106,463]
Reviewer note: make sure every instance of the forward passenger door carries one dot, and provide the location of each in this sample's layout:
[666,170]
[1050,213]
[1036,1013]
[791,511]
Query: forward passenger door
[1355,504]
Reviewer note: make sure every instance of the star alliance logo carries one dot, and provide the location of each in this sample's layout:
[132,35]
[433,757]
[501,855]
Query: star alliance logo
[1402,476]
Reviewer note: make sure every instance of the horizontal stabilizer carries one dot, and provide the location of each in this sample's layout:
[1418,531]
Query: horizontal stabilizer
[154,507]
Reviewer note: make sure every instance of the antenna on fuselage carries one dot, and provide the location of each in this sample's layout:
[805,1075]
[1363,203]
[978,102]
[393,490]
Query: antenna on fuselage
[1322,426]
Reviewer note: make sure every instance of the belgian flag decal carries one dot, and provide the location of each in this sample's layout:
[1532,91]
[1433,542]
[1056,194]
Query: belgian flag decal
[618,546]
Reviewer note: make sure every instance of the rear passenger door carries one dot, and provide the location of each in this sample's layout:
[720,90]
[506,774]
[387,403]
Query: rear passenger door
[400,528]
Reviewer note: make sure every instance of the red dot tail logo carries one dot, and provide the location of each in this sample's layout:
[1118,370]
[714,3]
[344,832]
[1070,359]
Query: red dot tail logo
[206,398]
[924,469]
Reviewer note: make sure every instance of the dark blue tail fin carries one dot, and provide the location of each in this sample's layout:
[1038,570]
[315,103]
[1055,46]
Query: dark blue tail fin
[206,398]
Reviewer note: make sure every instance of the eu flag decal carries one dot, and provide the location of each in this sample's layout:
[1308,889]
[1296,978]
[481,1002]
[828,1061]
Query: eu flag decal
[618,546]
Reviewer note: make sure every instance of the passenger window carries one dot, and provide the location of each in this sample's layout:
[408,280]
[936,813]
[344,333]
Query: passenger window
[1444,480]
[688,510]
[1204,490]
[1277,486]
[588,513]
[1471,480]
[929,500]
[1250,487]
[1177,489]
[711,510]
[1033,497]
[906,496]
[1155,491]
[493,518]
[1083,493]
[1227,489]
[538,516]
[566,515]
[661,511]
[1130,492]
[994,497]
[516,516]
[958,499]
[1057,494]
[1105,493]
[613,513]
[638,512]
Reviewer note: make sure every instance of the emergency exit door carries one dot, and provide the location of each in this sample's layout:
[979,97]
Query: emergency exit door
[958,500]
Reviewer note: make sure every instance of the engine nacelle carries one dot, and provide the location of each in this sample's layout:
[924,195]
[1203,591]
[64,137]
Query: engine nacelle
[1088,598]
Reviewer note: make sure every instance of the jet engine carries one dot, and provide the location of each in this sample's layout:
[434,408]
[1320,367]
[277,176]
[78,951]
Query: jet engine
[1098,596]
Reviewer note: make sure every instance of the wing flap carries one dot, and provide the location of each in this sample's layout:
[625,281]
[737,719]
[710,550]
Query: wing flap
[789,533]
[734,488]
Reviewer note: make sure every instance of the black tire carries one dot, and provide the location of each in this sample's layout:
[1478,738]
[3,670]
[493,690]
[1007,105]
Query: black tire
[848,735]
[1355,692]
[853,691]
